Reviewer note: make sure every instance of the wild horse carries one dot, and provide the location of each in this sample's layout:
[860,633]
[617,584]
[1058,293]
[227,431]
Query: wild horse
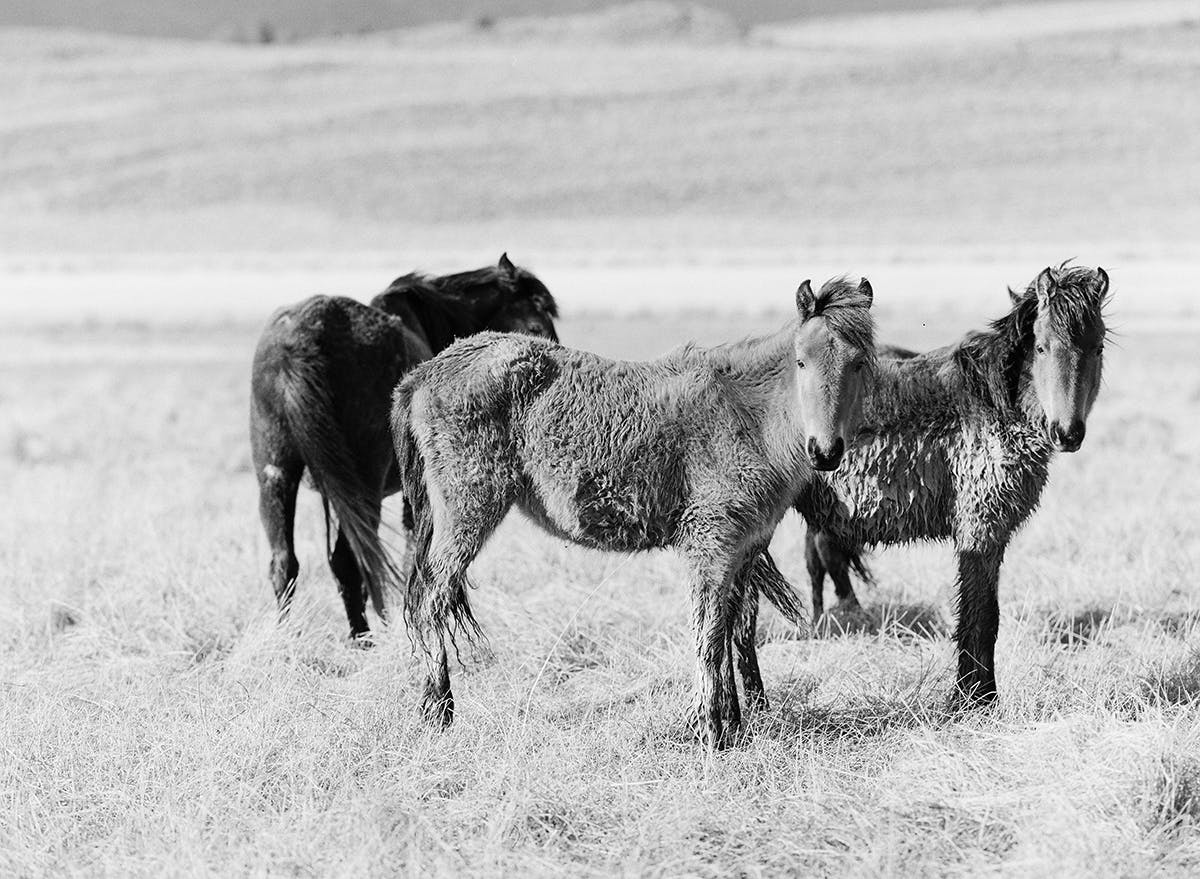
[702,450]
[321,391]
[957,444]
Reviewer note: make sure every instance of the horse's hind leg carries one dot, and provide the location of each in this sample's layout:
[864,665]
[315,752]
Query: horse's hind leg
[458,535]
[731,709]
[835,558]
[344,565]
[978,624]
[816,572]
[745,630]
[278,484]
[278,467]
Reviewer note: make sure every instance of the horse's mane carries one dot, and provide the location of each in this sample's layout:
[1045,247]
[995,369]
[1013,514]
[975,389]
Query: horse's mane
[447,307]
[992,362]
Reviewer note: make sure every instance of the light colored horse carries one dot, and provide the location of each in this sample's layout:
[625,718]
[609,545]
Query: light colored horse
[702,450]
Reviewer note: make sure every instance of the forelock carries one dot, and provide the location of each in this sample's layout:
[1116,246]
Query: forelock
[530,287]
[847,312]
[1076,301]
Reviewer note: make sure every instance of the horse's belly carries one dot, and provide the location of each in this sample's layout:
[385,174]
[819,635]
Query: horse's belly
[604,511]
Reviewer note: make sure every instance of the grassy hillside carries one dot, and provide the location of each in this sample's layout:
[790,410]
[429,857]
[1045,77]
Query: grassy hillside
[304,18]
[120,145]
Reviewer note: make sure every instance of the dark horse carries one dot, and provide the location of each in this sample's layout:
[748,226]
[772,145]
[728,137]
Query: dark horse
[702,450]
[956,445]
[321,391]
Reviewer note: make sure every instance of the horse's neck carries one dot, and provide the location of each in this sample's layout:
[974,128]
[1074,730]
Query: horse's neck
[765,361]
[763,371]
[1029,407]
[442,322]
[930,394]
[906,394]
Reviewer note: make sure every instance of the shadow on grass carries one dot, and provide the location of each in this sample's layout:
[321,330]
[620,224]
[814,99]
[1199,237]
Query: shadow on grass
[1173,683]
[796,715]
[921,702]
[1179,623]
[1076,630]
[575,651]
[894,619]
[1171,798]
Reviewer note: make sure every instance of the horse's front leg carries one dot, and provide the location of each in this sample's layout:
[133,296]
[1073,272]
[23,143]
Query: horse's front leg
[978,624]
[717,710]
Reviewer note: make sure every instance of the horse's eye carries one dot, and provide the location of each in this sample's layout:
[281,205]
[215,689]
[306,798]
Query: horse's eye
[858,367]
[1041,349]
[800,363]
[1099,350]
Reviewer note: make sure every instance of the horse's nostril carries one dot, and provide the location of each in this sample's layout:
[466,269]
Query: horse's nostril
[826,460]
[1069,439]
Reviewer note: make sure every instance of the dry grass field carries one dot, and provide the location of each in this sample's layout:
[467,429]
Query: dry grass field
[158,198]
[156,720]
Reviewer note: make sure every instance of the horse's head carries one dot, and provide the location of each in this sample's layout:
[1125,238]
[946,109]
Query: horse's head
[524,304]
[1068,349]
[835,360]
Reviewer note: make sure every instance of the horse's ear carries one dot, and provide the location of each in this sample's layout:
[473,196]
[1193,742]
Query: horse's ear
[864,288]
[505,265]
[1014,296]
[1043,285]
[1103,281]
[806,303]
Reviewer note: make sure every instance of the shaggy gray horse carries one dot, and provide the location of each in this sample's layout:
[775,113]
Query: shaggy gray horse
[956,445]
[321,391]
[702,450]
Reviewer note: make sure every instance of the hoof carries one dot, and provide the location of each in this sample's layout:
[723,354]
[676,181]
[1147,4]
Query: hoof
[437,708]
[362,640]
[715,736]
[721,739]
[757,702]
[973,697]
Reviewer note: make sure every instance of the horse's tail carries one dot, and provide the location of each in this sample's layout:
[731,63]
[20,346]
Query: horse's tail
[854,560]
[418,516]
[774,587]
[307,404]
[822,551]
[415,489]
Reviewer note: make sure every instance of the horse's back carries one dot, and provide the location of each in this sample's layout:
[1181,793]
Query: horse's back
[336,355]
[610,453]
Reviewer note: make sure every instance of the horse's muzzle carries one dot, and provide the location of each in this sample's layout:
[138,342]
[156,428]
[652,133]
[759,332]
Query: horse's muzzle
[826,459]
[1069,440]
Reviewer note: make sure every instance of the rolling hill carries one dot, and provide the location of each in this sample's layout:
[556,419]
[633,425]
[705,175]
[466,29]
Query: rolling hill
[305,18]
